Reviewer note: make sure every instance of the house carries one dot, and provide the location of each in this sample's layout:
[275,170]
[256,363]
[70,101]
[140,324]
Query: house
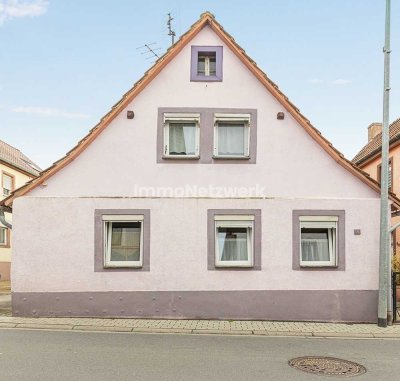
[369,160]
[203,193]
[16,170]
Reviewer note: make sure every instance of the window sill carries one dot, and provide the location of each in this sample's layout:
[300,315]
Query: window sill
[235,268]
[123,267]
[206,79]
[324,267]
[229,266]
[180,157]
[231,157]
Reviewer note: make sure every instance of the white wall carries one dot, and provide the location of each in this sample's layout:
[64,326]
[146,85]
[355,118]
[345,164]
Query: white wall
[54,242]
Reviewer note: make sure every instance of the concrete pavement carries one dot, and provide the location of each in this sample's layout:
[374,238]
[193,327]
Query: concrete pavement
[49,355]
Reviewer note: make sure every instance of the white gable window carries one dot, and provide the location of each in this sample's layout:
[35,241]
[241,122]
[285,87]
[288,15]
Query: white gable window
[231,135]
[318,243]
[123,240]
[234,241]
[181,135]
[206,64]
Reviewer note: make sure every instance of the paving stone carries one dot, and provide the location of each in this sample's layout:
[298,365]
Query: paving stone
[284,333]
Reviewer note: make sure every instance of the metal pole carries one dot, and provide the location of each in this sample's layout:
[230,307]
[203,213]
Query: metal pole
[384,228]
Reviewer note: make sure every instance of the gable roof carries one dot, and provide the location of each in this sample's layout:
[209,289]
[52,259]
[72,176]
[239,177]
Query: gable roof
[374,146]
[206,19]
[13,157]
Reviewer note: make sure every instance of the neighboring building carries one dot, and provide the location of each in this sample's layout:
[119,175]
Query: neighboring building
[153,213]
[369,160]
[15,170]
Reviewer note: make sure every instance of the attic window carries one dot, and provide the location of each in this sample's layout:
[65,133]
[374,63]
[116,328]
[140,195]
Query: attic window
[206,64]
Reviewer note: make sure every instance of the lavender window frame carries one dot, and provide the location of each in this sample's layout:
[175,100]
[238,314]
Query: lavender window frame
[99,239]
[206,148]
[341,243]
[194,77]
[211,213]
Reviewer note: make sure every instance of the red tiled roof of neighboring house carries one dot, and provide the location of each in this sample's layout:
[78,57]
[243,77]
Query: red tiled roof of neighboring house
[206,19]
[374,146]
[15,158]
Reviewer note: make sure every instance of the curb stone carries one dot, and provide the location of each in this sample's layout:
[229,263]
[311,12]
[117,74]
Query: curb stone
[45,326]
[100,328]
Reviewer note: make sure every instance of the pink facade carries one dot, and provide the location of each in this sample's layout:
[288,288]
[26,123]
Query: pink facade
[54,273]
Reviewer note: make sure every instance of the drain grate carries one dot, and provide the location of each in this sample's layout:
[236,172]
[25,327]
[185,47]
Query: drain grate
[327,366]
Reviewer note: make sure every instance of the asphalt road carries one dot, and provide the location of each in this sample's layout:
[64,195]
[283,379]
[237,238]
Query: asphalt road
[50,355]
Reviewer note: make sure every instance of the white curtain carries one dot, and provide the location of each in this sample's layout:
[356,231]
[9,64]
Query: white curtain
[125,241]
[182,139]
[201,66]
[315,250]
[231,139]
[233,246]
[316,245]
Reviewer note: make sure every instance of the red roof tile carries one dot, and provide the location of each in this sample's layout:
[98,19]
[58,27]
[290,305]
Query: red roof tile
[14,157]
[374,146]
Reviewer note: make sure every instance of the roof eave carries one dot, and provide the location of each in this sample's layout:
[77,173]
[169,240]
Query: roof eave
[19,169]
[376,153]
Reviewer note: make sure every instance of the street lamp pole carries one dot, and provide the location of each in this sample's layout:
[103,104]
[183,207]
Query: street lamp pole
[384,256]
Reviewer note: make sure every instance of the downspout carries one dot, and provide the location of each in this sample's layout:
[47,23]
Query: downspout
[3,218]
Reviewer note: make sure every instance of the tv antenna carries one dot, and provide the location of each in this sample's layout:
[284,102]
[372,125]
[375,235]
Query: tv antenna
[170,31]
[149,50]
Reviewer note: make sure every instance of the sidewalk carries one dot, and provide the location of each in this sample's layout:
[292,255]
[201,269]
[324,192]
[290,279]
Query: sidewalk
[5,298]
[221,327]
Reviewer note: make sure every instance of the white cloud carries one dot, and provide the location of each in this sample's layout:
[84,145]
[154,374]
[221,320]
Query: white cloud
[316,81]
[341,82]
[49,112]
[10,9]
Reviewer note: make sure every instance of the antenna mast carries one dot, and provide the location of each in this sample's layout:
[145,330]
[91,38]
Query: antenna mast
[170,31]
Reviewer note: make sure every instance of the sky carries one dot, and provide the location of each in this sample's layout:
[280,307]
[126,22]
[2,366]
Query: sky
[63,64]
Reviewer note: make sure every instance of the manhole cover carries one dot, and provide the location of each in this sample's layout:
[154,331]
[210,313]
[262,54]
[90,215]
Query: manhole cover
[327,366]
